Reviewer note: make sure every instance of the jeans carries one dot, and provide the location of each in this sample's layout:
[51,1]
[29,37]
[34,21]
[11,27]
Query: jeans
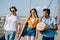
[10,35]
[47,38]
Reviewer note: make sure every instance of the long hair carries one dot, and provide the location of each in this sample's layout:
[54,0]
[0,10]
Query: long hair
[35,11]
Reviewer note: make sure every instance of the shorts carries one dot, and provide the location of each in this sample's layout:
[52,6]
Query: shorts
[31,32]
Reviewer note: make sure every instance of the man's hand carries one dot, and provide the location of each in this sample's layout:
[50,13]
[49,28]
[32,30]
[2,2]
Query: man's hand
[47,28]
[55,27]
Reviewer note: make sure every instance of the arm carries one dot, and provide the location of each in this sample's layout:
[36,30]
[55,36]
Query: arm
[36,33]
[18,25]
[54,25]
[6,20]
[54,28]
[23,24]
[18,28]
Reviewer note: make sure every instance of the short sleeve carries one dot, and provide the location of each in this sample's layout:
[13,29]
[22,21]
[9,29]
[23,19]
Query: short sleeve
[6,20]
[54,21]
[43,20]
[38,20]
[27,18]
[18,20]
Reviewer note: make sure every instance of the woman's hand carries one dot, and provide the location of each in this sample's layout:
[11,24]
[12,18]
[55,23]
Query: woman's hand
[37,36]
[17,35]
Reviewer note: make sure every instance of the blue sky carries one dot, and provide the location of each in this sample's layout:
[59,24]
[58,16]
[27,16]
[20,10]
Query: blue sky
[23,6]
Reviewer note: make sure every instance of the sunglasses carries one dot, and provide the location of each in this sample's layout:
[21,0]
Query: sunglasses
[12,10]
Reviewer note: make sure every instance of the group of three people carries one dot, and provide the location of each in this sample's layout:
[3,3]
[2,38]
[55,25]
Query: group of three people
[12,25]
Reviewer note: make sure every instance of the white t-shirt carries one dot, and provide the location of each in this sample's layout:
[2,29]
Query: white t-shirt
[32,20]
[11,23]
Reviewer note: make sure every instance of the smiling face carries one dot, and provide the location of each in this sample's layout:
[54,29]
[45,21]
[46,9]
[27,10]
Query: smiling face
[45,14]
[33,13]
[13,11]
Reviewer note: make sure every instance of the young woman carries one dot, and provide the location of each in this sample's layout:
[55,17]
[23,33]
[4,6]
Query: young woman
[32,21]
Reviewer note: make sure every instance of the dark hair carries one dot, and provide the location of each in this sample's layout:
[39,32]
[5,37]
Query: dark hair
[47,10]
[35,11]
[13,7]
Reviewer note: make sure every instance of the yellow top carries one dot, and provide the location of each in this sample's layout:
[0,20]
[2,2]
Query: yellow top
[30,24]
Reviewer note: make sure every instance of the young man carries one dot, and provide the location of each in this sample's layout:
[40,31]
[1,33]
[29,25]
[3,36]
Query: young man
[11,24]
[50,32]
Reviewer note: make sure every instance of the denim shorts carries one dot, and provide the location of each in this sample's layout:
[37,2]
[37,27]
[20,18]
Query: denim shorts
[31,32]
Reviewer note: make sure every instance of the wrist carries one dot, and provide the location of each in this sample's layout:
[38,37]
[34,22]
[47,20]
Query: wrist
[18,32]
